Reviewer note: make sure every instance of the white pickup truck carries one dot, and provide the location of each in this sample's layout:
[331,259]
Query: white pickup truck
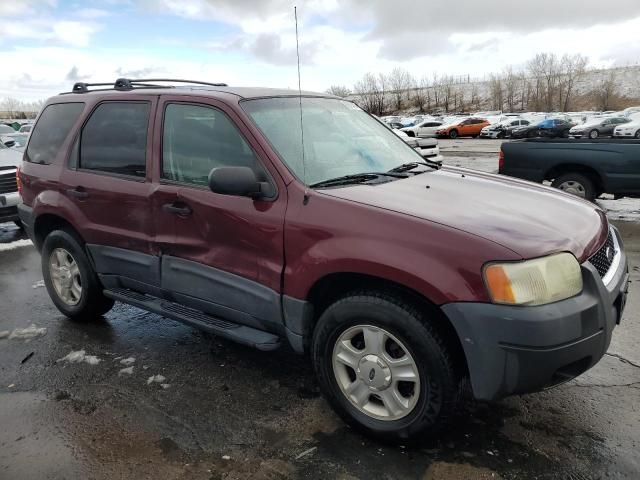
[9,197]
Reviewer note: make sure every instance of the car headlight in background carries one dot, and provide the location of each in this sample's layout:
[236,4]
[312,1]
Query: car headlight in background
[534,282]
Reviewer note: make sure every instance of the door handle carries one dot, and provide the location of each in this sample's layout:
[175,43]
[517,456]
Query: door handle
[177,209]
[78,193]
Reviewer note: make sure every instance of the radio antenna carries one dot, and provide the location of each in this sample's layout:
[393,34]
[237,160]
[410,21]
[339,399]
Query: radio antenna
[304,166]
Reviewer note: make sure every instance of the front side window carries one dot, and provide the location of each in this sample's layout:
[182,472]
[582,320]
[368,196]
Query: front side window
[51,131]
[339,137]
[197,139]
[114,140]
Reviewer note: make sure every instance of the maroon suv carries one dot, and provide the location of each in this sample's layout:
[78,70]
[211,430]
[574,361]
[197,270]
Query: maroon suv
[266,218]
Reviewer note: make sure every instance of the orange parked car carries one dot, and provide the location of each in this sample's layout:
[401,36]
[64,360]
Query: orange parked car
[468,127]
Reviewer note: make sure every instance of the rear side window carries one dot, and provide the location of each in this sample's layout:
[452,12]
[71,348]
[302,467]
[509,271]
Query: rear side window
[114,140]
[50,132]
[198,139]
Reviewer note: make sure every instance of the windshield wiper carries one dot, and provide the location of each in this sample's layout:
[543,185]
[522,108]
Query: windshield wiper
[405,167]
[356,178]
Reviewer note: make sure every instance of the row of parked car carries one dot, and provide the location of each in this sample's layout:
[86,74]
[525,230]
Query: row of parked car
[625,124]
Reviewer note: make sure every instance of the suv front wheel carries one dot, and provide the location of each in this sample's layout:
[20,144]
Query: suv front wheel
[71,282]
[384,368]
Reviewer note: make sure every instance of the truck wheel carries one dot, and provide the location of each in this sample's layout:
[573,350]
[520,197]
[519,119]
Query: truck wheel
[71,282]
[384,368]
[453,134]
[593,134]
[576,184]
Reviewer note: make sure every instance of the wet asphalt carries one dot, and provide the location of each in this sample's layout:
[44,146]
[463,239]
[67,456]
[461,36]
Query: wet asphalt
[224,411]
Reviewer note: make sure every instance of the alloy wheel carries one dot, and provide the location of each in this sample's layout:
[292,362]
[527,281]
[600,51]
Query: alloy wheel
[376,373]
[65,276]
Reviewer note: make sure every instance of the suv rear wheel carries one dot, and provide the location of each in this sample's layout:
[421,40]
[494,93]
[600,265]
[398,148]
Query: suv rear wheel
[384,368]
[71,282]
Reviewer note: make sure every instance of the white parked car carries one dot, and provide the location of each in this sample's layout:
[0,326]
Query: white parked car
[26,128]
[628,130]
[424,129]
[427,147]
[499,130]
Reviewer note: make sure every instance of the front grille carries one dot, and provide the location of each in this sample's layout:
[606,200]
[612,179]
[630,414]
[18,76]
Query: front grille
[603,258]
[8,183]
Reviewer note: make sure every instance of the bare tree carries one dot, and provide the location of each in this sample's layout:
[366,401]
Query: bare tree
[371,92]
[606,89]
[339,91]
[399,82]
[497,92]
[510,80]
[10,106]
[572,69]
[421,94]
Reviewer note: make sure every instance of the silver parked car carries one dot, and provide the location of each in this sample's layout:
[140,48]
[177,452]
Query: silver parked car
[595,128]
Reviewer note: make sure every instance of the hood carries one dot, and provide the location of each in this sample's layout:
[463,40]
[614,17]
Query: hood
[9,158]
[529,219]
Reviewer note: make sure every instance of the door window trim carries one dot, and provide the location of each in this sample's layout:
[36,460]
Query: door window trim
[168,181]
[122,176]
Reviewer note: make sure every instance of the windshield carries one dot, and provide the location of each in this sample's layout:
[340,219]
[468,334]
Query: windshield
[339,138]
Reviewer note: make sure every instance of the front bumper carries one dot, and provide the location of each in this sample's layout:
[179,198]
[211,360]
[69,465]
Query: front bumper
[9,207]
[513,350]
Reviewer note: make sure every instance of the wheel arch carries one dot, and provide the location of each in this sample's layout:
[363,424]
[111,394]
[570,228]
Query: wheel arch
[590,172]
[46,223]
[331,287]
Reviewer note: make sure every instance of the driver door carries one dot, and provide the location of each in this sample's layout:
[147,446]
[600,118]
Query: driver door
[221,254]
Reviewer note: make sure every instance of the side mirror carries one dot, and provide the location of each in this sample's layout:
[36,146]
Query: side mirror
[10,143]
[238,181]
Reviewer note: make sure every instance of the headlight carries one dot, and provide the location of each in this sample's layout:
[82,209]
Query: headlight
[534,282]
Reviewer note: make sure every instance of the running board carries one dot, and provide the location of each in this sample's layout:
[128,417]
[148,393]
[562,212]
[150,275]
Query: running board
[238,333]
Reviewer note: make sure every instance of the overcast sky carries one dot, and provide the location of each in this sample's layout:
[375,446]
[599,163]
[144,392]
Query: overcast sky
[46,45]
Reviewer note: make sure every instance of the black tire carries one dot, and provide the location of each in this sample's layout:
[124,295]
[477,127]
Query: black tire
[411,134]
[500,135]
[593,134]
[580,179]
[453,134]
[532,134]
[637,135]
[92,302]
[440,392]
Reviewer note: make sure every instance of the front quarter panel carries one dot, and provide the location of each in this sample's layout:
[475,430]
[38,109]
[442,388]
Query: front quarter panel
[329,235]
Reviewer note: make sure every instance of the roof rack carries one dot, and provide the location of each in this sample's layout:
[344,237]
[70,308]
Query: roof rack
[126,84]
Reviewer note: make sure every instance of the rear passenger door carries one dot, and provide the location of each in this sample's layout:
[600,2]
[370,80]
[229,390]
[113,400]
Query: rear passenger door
[227,254]
[108,180]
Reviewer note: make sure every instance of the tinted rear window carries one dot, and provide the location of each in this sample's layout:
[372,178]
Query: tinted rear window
[51,131]
[114,139]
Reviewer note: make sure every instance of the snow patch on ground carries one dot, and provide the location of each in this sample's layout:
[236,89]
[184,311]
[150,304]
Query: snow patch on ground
[4,334]
[128,361]
[4,247]
[126,371]
[38,284]
[165,385]
[80,356]
[25,333]
[155,379]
